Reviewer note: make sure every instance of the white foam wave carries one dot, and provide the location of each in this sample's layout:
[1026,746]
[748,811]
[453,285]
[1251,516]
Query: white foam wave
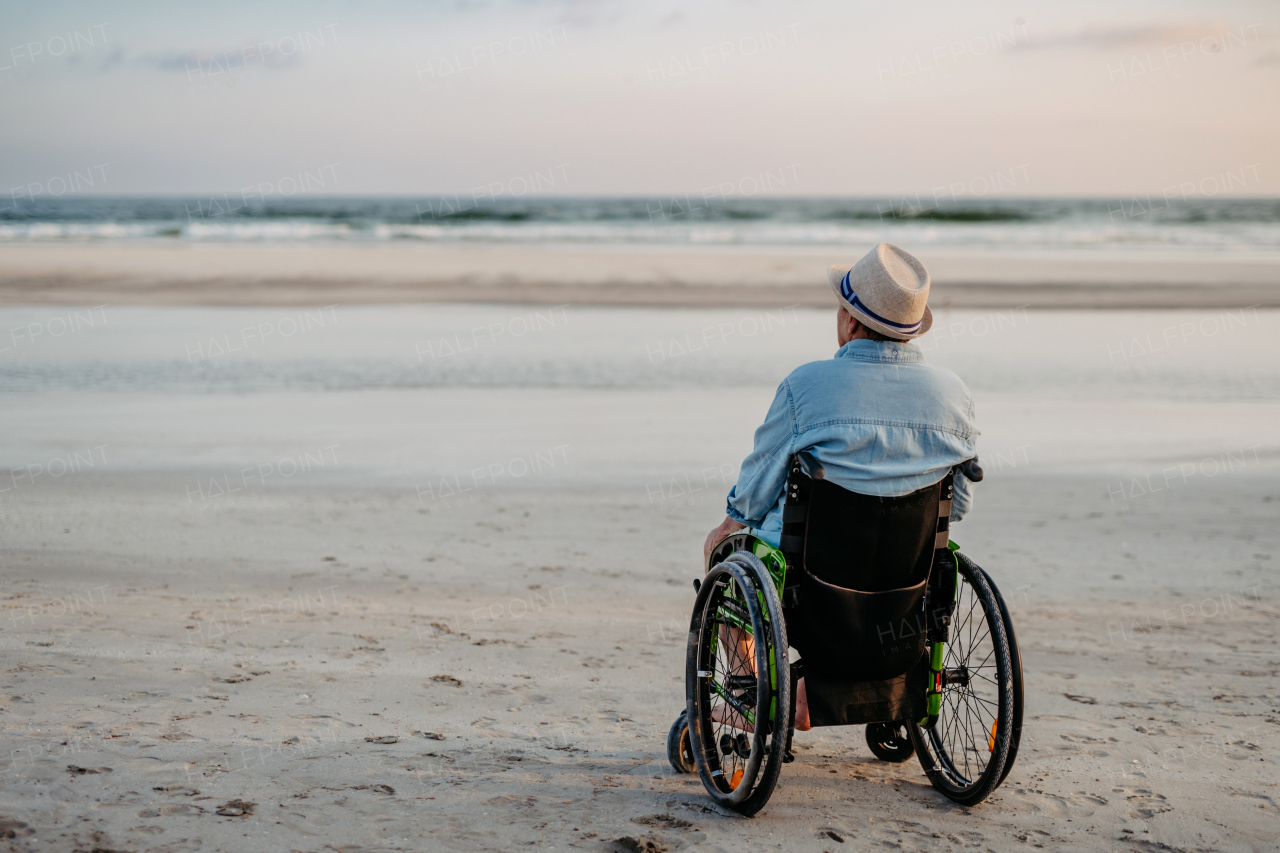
[1123,235]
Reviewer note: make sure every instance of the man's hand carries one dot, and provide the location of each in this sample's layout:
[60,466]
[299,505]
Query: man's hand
[726,527]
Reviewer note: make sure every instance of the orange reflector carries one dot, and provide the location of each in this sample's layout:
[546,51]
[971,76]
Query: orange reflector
[737,777]
[991,741]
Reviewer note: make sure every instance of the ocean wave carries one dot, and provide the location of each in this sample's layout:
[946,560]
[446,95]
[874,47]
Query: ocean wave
[1120,224]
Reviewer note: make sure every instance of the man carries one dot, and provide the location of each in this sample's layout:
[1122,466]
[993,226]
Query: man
[876,417]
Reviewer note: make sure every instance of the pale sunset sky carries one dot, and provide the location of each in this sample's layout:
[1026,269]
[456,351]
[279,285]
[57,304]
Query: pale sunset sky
[643,98]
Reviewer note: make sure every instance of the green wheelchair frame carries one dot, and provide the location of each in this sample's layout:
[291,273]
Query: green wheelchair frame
[926,711]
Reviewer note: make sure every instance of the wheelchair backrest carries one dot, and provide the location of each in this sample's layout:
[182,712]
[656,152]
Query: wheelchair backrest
[858,610]
[862,542]
[870,543]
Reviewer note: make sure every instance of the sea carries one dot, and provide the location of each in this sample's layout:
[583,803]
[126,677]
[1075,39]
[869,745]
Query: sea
[405,393]
[1186,221]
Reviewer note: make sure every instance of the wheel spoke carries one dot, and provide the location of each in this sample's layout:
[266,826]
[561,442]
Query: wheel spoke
[993,703]
[971,706]
[733,683]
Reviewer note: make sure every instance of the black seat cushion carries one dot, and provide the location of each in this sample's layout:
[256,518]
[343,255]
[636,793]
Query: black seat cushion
[869,543]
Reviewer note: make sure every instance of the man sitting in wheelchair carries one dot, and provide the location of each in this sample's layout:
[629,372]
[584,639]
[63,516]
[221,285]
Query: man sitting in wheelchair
[836,537]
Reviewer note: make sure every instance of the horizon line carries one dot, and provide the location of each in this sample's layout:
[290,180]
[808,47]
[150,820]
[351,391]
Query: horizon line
[665,195]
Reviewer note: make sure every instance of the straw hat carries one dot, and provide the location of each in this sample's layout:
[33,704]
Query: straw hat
[888,290]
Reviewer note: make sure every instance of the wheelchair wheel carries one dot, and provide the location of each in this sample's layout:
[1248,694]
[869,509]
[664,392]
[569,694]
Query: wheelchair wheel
[890,741]
[737,684]
[679,752]
[964,753]
[1015,661]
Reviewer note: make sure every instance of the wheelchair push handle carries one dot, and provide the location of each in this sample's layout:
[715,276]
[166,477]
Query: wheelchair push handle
[971,470]
[810,465]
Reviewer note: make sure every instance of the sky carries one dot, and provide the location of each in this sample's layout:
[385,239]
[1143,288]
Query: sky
[622,97]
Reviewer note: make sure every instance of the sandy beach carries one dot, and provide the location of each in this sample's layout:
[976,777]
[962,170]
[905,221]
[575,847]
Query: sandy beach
[221,564]
[371,376]
[169,660]
[691,276]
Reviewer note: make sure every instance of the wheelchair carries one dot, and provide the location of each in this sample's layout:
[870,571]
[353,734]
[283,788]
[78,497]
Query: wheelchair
[893,628]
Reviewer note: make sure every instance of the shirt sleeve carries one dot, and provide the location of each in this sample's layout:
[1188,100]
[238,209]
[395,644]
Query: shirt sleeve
[764,471]
[962,497]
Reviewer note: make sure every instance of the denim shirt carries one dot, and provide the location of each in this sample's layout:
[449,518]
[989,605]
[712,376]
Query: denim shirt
[876,417]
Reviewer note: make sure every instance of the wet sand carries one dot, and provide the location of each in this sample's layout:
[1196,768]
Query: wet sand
[606,275]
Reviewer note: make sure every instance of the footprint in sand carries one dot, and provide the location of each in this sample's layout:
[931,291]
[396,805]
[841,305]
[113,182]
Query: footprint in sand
[1143,803]
[1074,805]
[636,844]
[172,810]
[664,821]
[147,830]
[81,771]
[236,808]
[14,828]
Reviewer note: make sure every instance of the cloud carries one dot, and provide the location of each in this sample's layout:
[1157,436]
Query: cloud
[1126,37]
[590,13]
[274,54]
[675,17]
[254,55]
[102,65]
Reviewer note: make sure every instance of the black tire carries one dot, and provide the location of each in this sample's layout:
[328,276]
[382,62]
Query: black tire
[1015,662]
[890,741]
[738,596]
[965,752]
[679,753]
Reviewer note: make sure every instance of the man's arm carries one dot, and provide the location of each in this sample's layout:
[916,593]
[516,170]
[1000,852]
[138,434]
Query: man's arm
[763,474]
[962,496]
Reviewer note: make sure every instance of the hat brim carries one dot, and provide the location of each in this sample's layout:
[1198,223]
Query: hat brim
[836,274]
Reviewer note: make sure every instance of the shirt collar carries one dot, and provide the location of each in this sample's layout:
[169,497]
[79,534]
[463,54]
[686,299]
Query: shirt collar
[865,349]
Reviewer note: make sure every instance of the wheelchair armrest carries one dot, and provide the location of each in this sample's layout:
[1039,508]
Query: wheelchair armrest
[810,465]
[971,470]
